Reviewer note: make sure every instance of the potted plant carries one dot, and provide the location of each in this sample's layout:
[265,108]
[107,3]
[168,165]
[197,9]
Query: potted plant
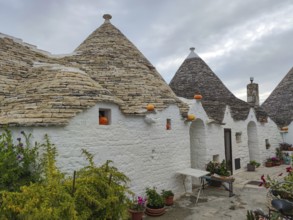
[252,165]
[168,195]
[136,208]
[287,158]
[269,162]
[220,169]
[285,146]
[276,161]
[279,154]
[155,203]
[281,188]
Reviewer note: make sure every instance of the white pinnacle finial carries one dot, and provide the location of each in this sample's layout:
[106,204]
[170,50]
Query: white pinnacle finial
[192,53]
[107,18]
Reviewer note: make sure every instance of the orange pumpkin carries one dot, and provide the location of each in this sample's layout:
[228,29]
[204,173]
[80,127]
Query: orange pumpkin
[190,117]
[198,97]
[103,120]
[284,128]
[150,107]
[168,126]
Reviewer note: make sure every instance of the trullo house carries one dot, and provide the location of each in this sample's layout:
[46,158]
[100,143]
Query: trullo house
[226,127]
[105,77]
[96,98]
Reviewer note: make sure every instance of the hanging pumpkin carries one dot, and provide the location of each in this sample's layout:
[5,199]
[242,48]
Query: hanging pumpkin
[190,117]
[150,107]
[103,120]
[197,96]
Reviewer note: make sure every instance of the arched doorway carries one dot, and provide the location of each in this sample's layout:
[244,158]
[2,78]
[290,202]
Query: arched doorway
[253,147]
[197,144]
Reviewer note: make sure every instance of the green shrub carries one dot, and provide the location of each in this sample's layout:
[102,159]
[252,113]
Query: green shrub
[19,164]
[48,199]
[101,191]
[98,193]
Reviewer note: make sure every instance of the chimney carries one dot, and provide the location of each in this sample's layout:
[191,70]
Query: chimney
[252,93]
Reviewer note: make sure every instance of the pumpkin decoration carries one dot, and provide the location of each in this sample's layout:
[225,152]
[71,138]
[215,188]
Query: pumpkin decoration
[103,120]
[197,96]
[168,126]
[190,117]
[284,129]
[150,107]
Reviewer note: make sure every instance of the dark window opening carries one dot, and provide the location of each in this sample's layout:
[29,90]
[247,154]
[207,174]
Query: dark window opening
[104,116]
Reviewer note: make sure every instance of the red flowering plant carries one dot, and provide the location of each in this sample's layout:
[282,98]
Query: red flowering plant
[282,186]
[137,204]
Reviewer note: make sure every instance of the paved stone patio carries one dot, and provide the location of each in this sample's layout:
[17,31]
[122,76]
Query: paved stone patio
[214,203]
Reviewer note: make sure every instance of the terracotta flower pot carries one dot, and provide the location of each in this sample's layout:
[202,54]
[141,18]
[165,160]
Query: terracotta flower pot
[169,200]
[277,163]
[269,164]
[155,212]
[135,215]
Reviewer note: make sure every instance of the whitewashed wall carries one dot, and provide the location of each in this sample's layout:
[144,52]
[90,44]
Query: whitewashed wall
[264,131]
[214,137]
[148,154]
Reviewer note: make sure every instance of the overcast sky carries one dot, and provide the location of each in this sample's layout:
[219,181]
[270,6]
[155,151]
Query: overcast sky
[236,38]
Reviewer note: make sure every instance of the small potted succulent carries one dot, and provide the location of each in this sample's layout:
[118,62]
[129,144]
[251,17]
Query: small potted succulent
[168,195]
[155,205]
[252,165]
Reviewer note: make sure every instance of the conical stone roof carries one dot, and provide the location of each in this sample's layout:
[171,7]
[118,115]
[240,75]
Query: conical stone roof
[194,76]
[279,105]
[112,60]
[38,89]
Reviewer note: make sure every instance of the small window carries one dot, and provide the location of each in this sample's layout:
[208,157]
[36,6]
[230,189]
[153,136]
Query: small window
[268,145]
[104,116]
[216,158]
[168,124]
[238,137]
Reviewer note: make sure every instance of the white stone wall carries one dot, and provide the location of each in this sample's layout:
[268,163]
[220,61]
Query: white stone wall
[147,153]
[264,131]
[215,143]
